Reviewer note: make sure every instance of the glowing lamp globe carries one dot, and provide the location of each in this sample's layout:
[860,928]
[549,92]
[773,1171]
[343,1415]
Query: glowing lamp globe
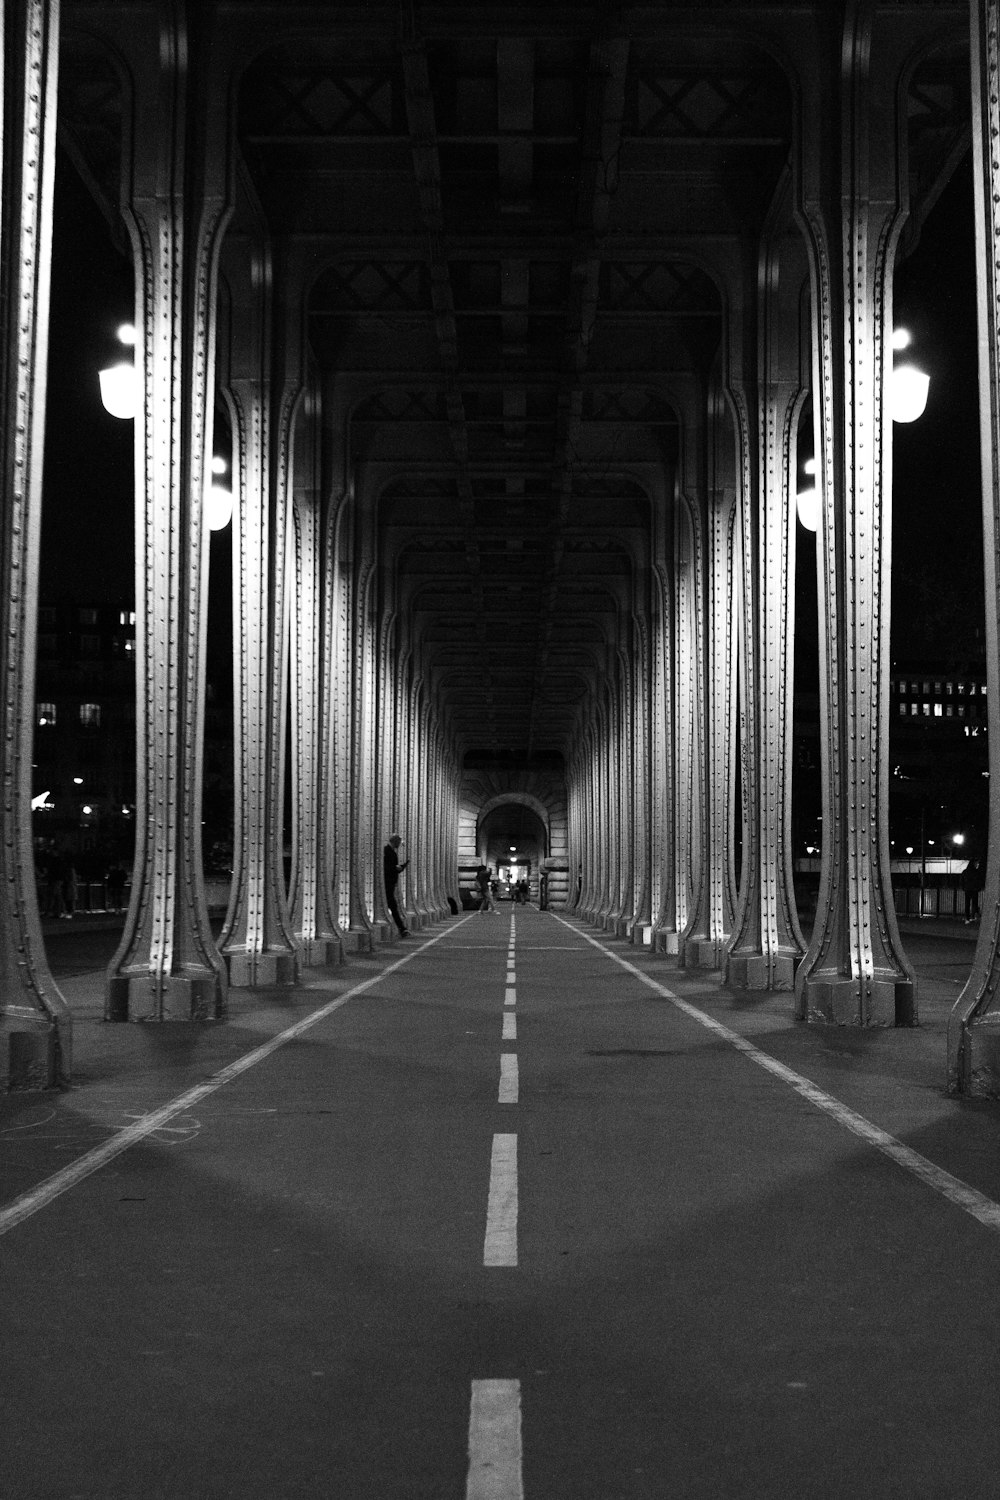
[120,391]
[807,506]
[218,507]
[908,393]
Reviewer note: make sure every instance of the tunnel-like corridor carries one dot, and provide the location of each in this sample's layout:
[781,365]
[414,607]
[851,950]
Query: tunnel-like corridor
[488,486]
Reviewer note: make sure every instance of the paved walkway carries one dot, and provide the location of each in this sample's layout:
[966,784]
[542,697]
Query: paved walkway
[513,1211]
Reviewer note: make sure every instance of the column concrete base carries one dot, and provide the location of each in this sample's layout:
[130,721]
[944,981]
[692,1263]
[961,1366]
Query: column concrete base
[839,1000]
[703,953]
[29,1054]
[268,970]
[752,971]
[977,1074]
[666,941]
[181,997]
[358,940]
[322,952]
[642,934]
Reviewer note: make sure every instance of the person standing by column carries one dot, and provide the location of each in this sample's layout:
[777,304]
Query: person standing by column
[392,870]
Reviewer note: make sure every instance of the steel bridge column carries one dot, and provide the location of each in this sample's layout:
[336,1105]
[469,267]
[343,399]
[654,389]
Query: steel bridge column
[35,1022]
[705,937]
[167,966]
[257,941]
[974,1024]
[855,972]
[767,944]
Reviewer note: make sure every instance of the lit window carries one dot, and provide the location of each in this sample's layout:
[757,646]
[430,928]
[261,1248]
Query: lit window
[927,710]
[902,709]
[46,713]
[950,710]
[927,687]
[90,715]
[949,688]
[982,689]
[914,709]
[937,710]
[127,617]
[961,689]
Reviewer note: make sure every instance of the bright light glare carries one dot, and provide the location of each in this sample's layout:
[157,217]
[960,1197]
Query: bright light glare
[218,507]
[219,464]
[901,338]
[908,393]
[126,334]
[120,391]
[807,505]
[958,838]
[809,467]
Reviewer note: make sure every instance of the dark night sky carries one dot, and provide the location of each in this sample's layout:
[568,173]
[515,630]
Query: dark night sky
[938,599]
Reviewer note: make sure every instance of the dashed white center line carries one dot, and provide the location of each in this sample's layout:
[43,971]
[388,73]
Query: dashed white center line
[509,1027]
[508,1078]
[510,996]
[500,1244]
[495,1461]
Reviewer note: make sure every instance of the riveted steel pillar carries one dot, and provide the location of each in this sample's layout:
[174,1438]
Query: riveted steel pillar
[855,972]
[363,783]
[663,722]
[641,927]
[767,944]
[335,721]
[167,966]
[712,534]
[974,1024]
[35,1022]
[386,749]
[257,942]
[312,918]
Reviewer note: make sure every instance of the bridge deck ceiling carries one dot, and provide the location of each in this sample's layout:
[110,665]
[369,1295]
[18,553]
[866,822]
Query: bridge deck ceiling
[508,230]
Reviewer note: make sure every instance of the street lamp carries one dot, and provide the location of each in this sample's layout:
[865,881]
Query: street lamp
[908,385]
[218,500]
[119,383]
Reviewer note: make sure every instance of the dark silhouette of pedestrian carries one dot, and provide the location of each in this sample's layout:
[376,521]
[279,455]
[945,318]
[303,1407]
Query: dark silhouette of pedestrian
[973,881]
[392,870]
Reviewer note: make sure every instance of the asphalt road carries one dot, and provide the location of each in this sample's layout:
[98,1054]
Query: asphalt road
[648,1255]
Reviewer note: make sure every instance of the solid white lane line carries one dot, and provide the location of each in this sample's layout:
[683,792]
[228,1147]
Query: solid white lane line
[38,1197]
[952,1188]
[500,1244]
[509,1033]
[508,1078]
[495,1460]
[510,996]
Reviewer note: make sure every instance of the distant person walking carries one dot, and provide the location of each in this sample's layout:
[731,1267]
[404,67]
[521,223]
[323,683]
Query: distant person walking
[392,870]
[973,881]
[486,902]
